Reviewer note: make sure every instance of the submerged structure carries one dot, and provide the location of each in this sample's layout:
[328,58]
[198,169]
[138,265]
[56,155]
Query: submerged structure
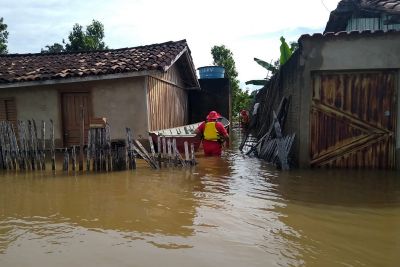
[344,91]
[144,88]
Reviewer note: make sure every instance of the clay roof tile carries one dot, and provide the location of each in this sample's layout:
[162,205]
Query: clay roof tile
[28,67]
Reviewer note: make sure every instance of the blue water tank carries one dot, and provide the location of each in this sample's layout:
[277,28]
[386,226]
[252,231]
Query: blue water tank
[211,72]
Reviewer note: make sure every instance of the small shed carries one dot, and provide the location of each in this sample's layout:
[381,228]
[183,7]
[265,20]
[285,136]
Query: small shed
[144,88]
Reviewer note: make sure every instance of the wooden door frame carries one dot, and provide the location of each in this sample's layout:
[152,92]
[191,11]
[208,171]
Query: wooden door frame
[61,92]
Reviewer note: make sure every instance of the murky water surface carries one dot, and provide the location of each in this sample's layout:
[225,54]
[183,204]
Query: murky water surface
[232,211]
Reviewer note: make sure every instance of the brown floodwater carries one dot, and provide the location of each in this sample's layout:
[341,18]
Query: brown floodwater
[229,211]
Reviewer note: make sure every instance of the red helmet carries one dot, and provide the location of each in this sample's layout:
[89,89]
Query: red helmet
[213,115]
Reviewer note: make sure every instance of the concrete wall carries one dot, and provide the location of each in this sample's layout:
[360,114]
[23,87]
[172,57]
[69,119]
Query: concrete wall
[344,52]
[290,87]
[122,101]
[38,103]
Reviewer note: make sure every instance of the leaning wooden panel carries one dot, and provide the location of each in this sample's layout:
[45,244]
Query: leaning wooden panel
[353,120]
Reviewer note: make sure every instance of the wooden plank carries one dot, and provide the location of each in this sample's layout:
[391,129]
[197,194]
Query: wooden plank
[129,144]
[178,155]
[186,145]
[43,148]
[282,154]
[144,154]
[88,150]
[52,146]
[66,160]
[73,158]
[81,137]
[153,152]
[36,145]
[108,147]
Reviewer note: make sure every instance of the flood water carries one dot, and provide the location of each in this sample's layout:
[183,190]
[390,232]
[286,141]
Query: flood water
[232,211]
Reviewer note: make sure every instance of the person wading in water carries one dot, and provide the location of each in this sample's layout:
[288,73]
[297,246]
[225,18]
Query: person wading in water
[213,134]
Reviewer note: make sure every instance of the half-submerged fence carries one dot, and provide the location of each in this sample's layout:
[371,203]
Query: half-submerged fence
[23,147]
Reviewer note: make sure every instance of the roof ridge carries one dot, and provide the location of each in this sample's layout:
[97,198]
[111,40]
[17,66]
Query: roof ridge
[91,51]
[348,33]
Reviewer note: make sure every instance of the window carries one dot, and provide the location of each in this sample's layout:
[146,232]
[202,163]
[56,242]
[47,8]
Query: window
[8,110]
[373,24]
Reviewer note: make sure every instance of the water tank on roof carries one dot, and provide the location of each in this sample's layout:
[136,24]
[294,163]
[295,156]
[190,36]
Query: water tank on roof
[211,72]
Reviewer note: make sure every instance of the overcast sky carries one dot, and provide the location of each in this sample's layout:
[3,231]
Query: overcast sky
[249,28]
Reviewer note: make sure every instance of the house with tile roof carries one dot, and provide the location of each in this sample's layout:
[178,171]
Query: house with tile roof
[144,88]
[345,96]
[361,15]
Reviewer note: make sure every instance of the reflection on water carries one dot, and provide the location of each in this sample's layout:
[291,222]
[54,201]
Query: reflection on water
[233,211]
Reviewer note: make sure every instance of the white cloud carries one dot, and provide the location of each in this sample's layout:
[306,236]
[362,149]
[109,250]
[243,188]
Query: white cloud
[249,28]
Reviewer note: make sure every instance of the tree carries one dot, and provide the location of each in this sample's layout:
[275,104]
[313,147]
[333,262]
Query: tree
[79,40]
[55,48]
[91,39]
[243,100]
[224,57]
[3,37]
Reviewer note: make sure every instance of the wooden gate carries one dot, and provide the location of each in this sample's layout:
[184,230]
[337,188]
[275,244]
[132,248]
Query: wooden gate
[353,120]
[71,114]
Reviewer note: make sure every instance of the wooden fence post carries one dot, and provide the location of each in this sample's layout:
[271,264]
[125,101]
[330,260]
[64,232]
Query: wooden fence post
[52,147]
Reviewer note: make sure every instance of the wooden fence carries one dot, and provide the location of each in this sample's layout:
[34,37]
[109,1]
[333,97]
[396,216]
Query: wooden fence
[23,147]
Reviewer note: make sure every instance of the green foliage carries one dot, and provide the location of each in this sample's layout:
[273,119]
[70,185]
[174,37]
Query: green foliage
[273,68]
[244,99]
[3,37]
[91,39]
[224,57]
[286,52]
[80,40]
[55,48]
[257,82]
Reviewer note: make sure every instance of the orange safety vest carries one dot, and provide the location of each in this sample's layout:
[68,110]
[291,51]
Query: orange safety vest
[210,132]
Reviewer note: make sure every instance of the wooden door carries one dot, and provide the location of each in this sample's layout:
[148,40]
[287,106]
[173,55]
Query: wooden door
[72,103]
[353,120]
